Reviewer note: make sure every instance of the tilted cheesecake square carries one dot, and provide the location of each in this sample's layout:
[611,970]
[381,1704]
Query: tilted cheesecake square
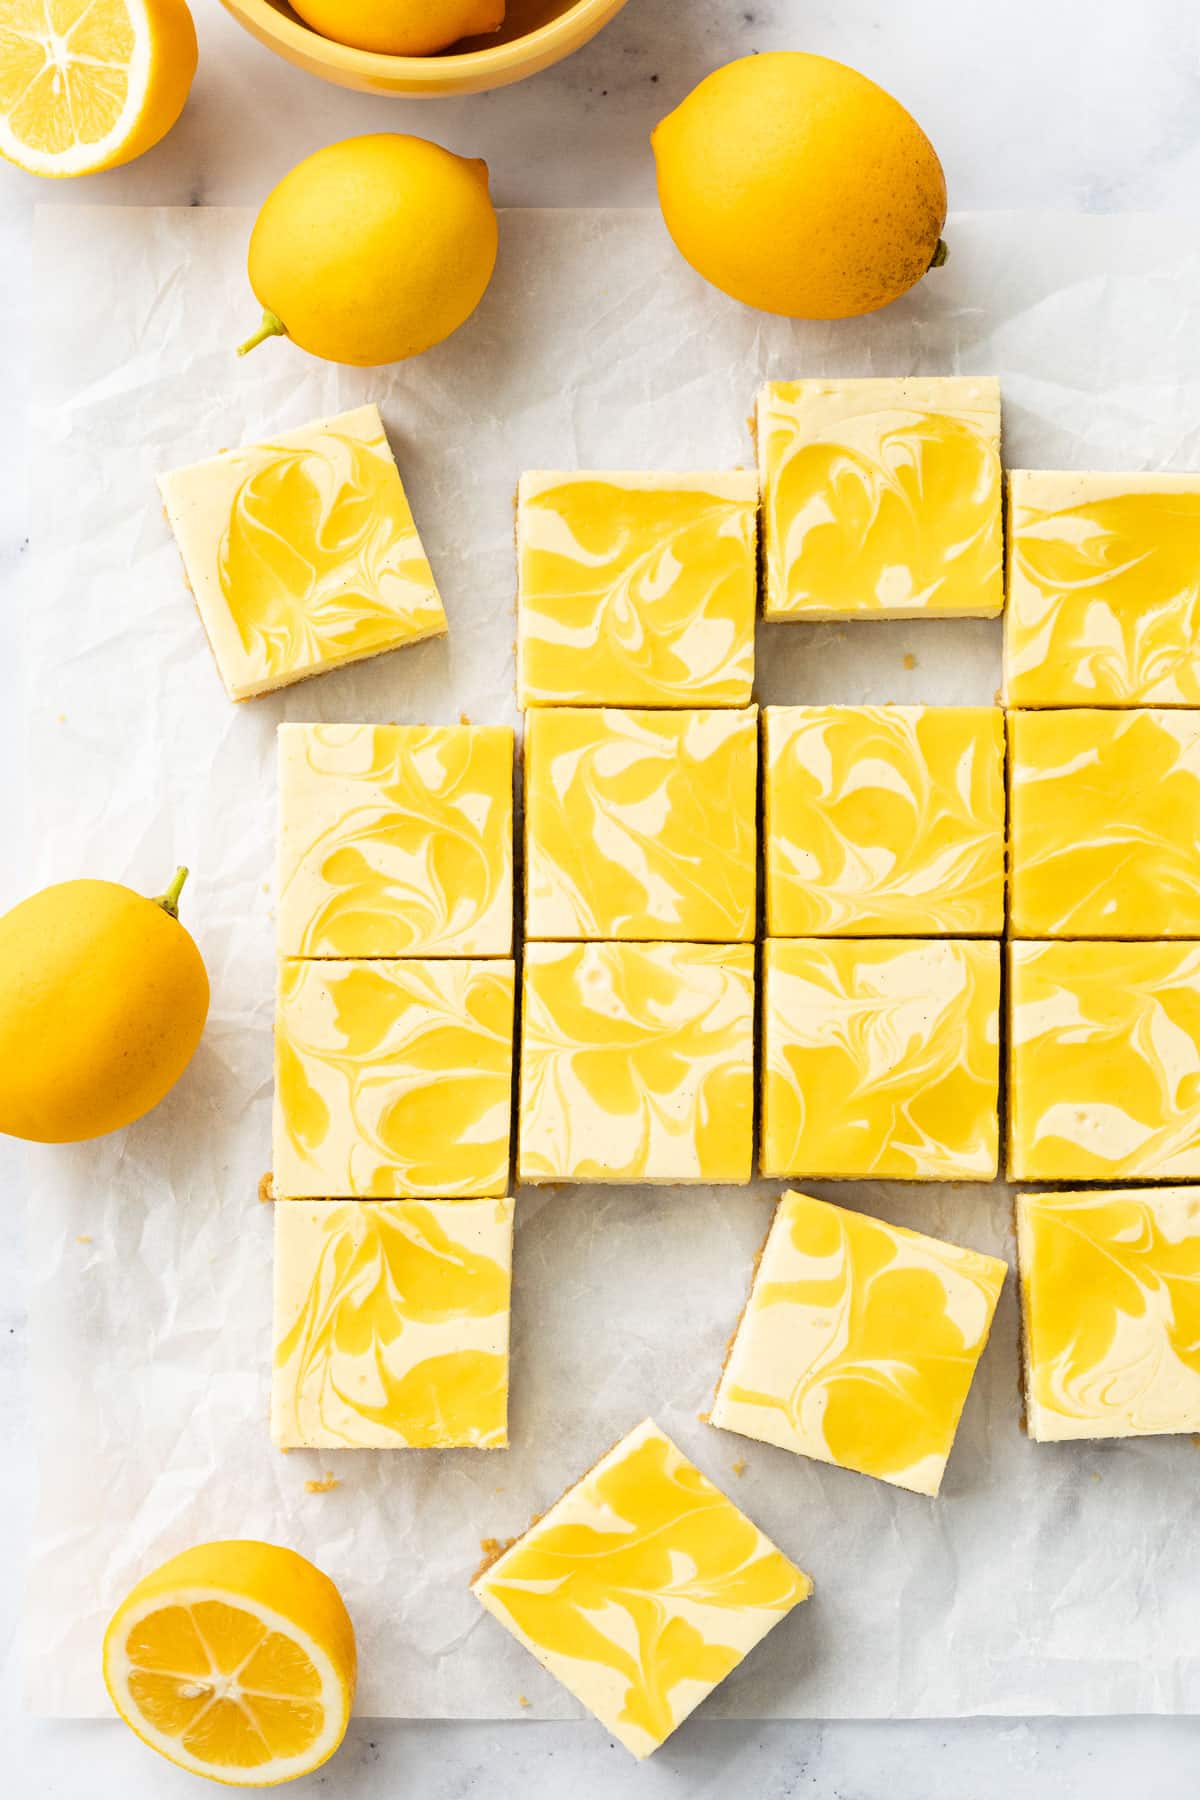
[1103,589]
[393,1079]
[636,589]
[859,1343]
[882,498]
[1103,1061]
[395,840]
[391,1324]
[641,824]
[1110,1305]
[301,553]
[637,1063]
[881,1058]
[1105,823]
[884,821]
[641,1589]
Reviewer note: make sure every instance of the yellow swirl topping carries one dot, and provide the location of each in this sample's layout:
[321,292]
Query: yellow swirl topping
[1104,1061]
[395,840]
[881,1059]
[1110,1296]
[1105,824]
[881,498]
[391,1324]
[641,824]
[636,590]
[637,1062]
[302,553]
[1103,590]
[859,1343]
[884,820]
[393,1079]
[641,1589]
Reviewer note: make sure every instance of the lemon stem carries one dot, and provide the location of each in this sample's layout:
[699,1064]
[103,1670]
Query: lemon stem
[940,255]
[170,900]
[271,327]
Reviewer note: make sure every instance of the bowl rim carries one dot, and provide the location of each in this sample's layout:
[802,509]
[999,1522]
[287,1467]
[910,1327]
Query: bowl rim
[513,54]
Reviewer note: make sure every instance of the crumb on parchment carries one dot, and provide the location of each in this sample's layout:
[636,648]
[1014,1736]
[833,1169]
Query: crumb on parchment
[739,1467]
[522,1701]
[910,661]
[326,1485]
[83,1237]
[266,1191]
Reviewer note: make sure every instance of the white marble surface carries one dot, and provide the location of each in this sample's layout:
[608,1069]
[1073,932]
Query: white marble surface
[1091,104]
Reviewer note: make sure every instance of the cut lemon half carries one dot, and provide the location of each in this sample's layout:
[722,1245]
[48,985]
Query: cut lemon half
[88,84]
[234,1660]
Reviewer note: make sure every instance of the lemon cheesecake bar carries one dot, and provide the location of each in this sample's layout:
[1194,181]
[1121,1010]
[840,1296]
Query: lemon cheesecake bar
[1110,1302]
[636,589]
[881,1058]
[1103,589]
[884,821]
[301,553]
[395,840]
[1105,823]
[641,824]
[393,1079]
[391,1324]
[882,498]
[641,1589]
[637,1063]
[859,1343]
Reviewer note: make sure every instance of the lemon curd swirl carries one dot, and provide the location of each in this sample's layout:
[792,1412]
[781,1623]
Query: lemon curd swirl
[881,1059]
[884,820]
[881,498]
[636,590]
[637,1062]
[391,1323]
[1103,590]
[1110,1292]
[395,840]
[859,1343]
[1105,823]
[641,824]
[641,1589]
[393,1079]
[1104,1061]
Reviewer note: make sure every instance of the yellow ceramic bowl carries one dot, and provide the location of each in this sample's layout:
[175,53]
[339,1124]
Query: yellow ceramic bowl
[535,34]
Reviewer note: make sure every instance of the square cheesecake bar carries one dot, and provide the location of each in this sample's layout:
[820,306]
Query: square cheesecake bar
[859,1343]
[637,1063]
[882,498]
[1111,1328]
[881,1058]
[884,821]
[1105,823]
[1103,589]
[641,824]
[641,1589]
[395,840]
[636,589]
[391,1324]
[1103,1061]
[301,553]
[393,1079]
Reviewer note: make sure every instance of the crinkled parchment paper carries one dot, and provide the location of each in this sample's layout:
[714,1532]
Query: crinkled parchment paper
[1052,1579]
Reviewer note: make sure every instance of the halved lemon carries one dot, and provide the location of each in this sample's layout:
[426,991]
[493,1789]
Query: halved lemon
[88,84]
[234,1660]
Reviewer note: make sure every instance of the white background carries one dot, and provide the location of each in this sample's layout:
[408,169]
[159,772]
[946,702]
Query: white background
[1080,104]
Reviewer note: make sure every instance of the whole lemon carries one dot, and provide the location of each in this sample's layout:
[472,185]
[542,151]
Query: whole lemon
[797,185]
[400,27]
[373,249]
[103,996]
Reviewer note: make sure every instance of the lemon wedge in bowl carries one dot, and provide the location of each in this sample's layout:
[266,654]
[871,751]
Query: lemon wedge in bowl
[234,1660]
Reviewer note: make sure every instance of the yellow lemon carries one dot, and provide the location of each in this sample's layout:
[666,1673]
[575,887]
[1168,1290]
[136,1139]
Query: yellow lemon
[234,1660]
[373,249]
[800,187]
[400,27]
[103,996]
[88,84]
